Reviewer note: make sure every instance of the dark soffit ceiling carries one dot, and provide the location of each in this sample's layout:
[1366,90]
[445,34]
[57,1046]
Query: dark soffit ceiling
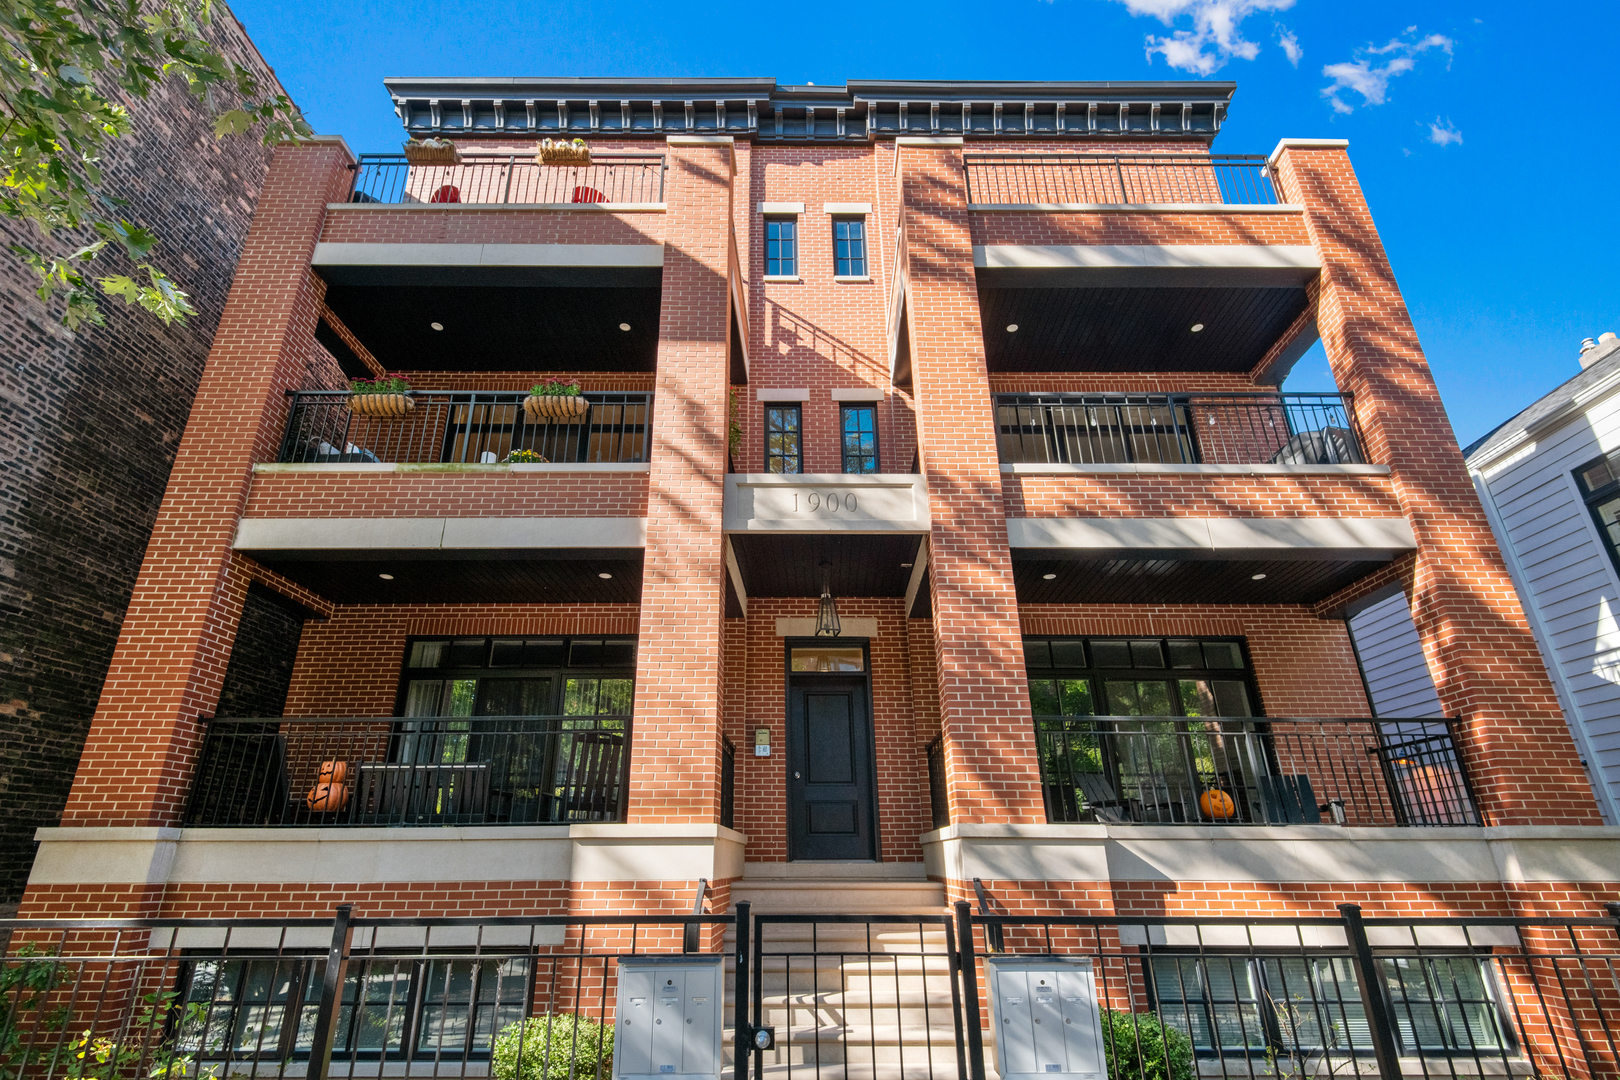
[1170,581]
[863,564]
[487,577]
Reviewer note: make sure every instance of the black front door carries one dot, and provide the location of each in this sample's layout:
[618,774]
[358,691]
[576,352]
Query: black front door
[829,760]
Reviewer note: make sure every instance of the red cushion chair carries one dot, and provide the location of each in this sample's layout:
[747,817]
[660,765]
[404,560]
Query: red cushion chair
[448,193]
[588,194]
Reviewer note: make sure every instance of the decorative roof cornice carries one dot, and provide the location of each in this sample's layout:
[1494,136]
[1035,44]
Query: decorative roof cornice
[859,111]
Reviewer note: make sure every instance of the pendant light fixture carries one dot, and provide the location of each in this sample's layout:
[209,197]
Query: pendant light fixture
[827,624]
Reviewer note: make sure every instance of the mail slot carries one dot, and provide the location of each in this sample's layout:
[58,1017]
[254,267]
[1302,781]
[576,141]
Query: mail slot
[668,1018]
[1044,1009]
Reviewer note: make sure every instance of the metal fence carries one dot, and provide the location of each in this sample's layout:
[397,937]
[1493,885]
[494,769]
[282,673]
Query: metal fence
[487,770]
[507,179]
[1116,179]
[1178,429]
[1128,770]
[463,427]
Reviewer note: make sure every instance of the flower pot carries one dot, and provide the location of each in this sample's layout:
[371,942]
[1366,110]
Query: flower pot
[382,406]
[561,152]
[432,152]
[547,408]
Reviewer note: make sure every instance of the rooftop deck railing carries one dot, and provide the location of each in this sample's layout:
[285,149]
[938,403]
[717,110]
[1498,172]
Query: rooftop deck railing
[463,427]
[1133,770]
[1119,179]
[511,179]
[370,771]
[1177,429]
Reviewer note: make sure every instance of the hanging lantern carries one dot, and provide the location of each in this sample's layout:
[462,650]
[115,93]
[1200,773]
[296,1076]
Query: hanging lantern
[827,624]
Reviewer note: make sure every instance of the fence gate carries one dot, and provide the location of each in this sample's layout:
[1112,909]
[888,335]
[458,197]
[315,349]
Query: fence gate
[853,997]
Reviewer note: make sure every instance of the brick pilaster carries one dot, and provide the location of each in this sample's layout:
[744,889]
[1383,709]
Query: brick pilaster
[674,757]
[1480,651]
[176,640]
[983,698]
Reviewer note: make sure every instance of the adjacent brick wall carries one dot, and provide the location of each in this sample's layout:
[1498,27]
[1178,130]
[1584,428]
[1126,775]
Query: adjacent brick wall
[262,657]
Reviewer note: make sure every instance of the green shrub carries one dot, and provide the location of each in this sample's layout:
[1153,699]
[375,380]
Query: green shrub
[554,1048]
[1140,1046]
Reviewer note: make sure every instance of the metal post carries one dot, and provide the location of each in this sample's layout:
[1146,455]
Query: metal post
[742,1032]
[970,989]
[337,959]
[1374,995]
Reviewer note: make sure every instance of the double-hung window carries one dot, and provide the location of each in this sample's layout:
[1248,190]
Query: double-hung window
[849,247]
[781,247]
[858,432]
[1599,482]
[783,447]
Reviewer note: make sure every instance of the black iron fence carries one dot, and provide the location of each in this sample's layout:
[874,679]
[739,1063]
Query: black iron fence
[486,770]
[1116,179]
[464,427]
[1185,770]
[1178,429]
[514,178]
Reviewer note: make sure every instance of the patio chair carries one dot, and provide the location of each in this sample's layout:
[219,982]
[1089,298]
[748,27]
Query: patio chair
[1102,798]
[1288,800]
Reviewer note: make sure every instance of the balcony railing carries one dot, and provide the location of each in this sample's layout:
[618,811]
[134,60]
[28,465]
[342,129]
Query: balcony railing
[506,179]
[1119,179]
[1180,770]
[1177,429]
[463,427]
[370,771]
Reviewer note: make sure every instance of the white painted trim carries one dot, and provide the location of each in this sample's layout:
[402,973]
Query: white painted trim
[1147,469]
[439,470]
[428,534]
[781,207]
[855,628]
[1137,208]
[852,279]
[763,394]
[336,139]
[593,208]
[862,393]
[637,255]
[782,279]
[1306,144]
[847,209]
[928,140]
[1301,257]
[700,140]
[1230,538]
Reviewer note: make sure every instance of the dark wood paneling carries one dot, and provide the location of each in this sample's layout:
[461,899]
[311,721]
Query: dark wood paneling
[485,578]
[774,564]
[1168,581]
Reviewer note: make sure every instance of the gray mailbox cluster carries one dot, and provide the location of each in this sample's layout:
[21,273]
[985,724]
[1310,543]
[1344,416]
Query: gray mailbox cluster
[1044,1009]
[668,1019]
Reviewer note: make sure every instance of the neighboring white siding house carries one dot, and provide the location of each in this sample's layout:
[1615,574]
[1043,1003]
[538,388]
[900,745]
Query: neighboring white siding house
[1391,656]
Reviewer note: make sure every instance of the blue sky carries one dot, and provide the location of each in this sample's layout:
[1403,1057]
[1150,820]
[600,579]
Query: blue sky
[1483,133]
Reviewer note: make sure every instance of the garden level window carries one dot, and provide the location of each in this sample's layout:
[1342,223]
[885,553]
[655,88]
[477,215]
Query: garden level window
[858,426]
[1599,482]
[849,247]
[781,247]
[783,453]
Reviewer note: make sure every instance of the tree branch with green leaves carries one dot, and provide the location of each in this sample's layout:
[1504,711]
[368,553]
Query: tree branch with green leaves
[65,70]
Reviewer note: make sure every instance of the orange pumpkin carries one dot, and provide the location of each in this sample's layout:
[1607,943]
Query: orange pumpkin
[1217,805]
[333,772]
[327,798]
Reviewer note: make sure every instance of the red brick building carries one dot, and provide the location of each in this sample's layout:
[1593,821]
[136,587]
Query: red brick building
[994,366]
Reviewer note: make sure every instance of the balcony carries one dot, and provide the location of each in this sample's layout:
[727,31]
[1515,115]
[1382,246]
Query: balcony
[1048,181]
[1177,429]
[613,181]
[1133,770]
[387,771]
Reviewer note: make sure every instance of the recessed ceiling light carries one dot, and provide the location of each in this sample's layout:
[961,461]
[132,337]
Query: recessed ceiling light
[437,325]
[1048,577]
[624,326]
[604,575]
[905,566]
[386,577]
[1257,577]
[1012,328]
[1197,326]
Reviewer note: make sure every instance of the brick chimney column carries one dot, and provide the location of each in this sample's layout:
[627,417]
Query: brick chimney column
[1477,642]
[992,774]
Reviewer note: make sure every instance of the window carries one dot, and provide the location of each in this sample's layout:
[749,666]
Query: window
[1599,482]
[781,247]
[859,427]
[514,676]
[1194,677]
[782,453]
[849,247]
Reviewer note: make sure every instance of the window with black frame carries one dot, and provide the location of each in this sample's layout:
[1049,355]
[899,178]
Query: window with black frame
[1599,481]
[849,247]
[783,451]
[506,730]
[858,427]
[1307,1008]
[781,247]
[1148,729]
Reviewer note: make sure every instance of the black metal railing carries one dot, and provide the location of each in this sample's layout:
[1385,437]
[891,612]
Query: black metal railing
[1119,179]
[1184,770]
[507,179]
[486,770]
[1177,429]
[939,800]
[728,783]
[464,427]
[1277,997]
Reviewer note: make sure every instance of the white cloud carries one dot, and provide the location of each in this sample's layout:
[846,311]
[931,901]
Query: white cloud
[1368,77]
[1215,36]
[1441,133]
[1290,44]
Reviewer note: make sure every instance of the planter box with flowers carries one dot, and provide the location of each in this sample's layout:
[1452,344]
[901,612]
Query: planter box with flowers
[524,457]
[563,152]
[431,152]
[555,401]
[387,397]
